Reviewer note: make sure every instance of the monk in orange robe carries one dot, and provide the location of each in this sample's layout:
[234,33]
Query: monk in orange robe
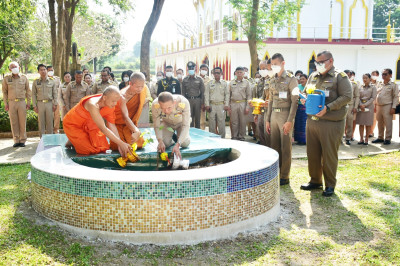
[129,109]
[85,127]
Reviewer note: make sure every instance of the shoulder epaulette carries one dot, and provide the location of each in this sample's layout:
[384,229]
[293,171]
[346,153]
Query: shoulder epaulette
[182,105]
[289,74]
[157,105]
[343,74]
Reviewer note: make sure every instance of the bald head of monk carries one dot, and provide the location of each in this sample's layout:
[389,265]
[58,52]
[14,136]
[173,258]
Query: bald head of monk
[167,102]
[136,84]
[110,96]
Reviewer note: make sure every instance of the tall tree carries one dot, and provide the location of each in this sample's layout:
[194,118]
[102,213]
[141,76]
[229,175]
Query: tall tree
[257,18]
[381,13]
[14,15]
[146,36]
[61,25]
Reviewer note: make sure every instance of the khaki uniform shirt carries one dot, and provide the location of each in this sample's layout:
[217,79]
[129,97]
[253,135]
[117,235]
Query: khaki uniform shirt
[338,92]
[153,90]
[100,86]
[258,89]
[75,92]
[44,90]
[239,90]
[281,95]
[180,116]
[206,79]
[216,92]
[356,95]
[16,89]
[63,94]
[388,94]
[193,86]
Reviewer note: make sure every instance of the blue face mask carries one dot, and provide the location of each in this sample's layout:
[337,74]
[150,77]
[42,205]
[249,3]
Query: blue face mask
[191,72]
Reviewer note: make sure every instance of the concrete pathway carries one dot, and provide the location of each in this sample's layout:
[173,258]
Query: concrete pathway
[10,155]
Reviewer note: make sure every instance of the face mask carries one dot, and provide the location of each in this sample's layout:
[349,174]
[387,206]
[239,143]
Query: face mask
[270,73]
[15,70]
[374,77]
[50,73]
[168,74]
[191,72]
[235,77]
[276,69]
[256,80]
[126,79]
[159,78]
[352,78]
[203,72]
[320,69]
[179,76]
[246,74]
[263,73]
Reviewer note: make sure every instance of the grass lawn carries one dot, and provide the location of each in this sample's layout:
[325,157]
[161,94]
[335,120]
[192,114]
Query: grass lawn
[360,225]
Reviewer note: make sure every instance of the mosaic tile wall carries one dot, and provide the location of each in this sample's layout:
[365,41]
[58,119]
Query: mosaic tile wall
[150,207]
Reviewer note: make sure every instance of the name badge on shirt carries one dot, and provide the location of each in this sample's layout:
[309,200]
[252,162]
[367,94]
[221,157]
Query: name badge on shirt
[326,93]
[283,94]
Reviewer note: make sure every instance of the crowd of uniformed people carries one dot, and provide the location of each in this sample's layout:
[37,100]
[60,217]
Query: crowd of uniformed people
[283,119]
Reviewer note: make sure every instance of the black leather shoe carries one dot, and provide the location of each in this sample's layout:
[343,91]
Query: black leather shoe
[360,143]
[329,191]
[348,142]
[387,142]
[310,186]
[283,182]
[378,141]
[352,139]
[22,144]
[16,145]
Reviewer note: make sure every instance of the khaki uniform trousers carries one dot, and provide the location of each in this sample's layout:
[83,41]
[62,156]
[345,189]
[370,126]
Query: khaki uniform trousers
[349,123]
[238,120]
[217,117]
[17,114]
[323,141]
[384,119]
[202,120]
[281,143]
[195,110]
[45,115]
[56,120]
[167,135]
[265,139]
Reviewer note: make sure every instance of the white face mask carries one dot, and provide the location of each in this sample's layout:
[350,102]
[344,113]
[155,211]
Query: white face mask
[374,77]
[126,79]
[256,80]
[15,70]
[159,77]
[270,73]
[276,69]
[179,76]
[203,72]
[352,78]
[168,74]
[246,74]
[320,69]
[50,73]
[263,72]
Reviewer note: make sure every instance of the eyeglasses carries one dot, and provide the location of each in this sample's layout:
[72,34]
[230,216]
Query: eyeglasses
[384,74]
[217,73]
[321,62]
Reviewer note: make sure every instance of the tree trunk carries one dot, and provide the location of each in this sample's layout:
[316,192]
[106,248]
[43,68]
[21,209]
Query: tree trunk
[146,37]
[252,37]
[60,39]
[70,7]
[53,27]
[5,52]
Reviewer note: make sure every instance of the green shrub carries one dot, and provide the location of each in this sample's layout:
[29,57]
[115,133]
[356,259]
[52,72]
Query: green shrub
[31,121]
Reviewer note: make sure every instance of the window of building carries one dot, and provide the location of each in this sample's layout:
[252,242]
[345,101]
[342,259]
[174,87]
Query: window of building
[217,32]
[311,64]
[208,34]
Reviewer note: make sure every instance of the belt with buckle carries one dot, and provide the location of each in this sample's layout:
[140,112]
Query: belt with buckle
[278,110]
[217,103]
[363,101]
[18,100]
[44,101]
[241,101]
[314,118]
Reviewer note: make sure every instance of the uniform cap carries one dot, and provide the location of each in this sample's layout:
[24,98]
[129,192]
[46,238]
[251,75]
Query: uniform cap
[190,64]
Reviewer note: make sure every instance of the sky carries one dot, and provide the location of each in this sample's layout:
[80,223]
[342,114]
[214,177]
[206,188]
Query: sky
[132,24]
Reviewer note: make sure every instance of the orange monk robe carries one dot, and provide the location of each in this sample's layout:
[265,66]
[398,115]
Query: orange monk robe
[134,106]
[83,132]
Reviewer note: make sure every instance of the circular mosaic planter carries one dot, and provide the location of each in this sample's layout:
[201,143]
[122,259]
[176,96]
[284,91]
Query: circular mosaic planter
[164,207]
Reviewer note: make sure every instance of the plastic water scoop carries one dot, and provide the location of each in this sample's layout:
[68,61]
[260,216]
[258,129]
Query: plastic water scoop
[313,101]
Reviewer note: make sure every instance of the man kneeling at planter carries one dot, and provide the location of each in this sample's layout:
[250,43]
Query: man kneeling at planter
[171,113]
[86,129]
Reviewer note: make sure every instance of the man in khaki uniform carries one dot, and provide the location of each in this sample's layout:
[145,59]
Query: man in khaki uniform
[76,90]
[193,90]
[44,100]
[240,94]
[204,75]
[63,94]
[216,99]
[386,101]
[56,115]
[16,89]
[262,92]
[325,130]
[283,101]
[154,87]
[103,83]
[171,113]
[179,75]
[352,109]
